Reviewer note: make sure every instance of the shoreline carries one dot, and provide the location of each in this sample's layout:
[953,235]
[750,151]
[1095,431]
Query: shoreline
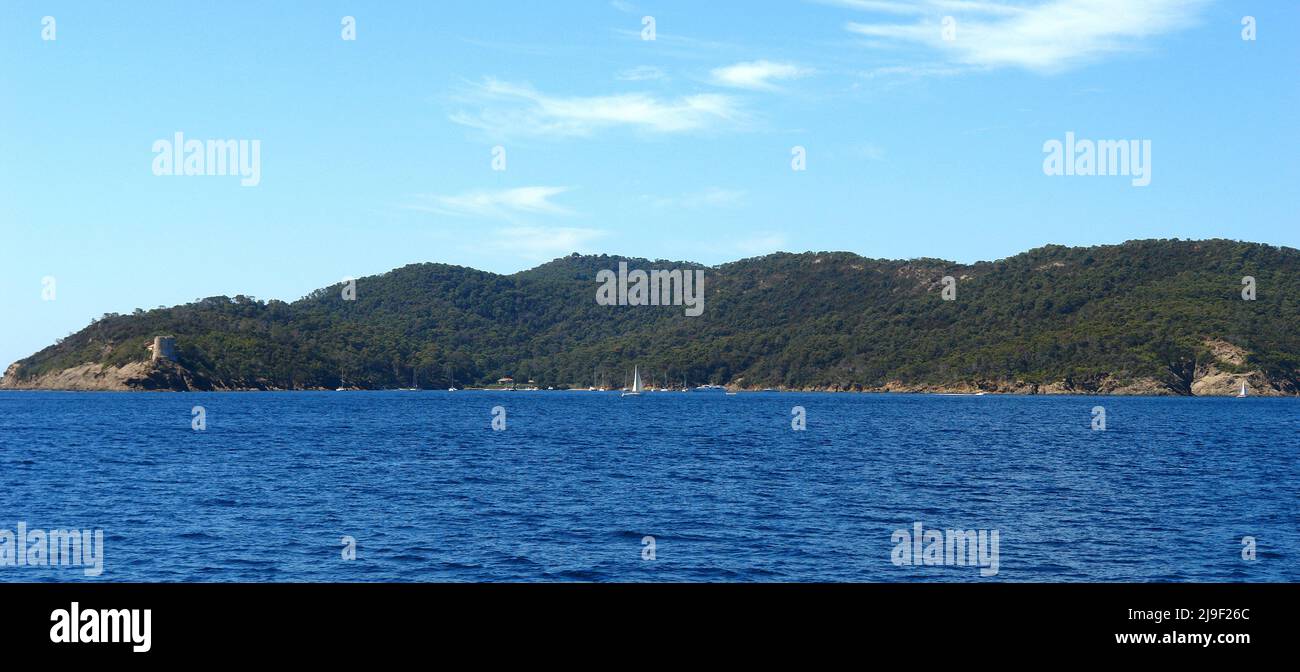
[169,376]
[732,392]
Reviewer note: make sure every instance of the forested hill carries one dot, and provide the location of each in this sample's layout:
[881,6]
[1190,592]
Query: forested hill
[1155,316]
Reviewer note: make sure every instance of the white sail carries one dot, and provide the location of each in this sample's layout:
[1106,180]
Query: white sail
[1242,393]
[635,391]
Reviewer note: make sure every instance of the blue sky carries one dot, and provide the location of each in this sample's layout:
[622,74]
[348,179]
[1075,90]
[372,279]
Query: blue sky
[377,152]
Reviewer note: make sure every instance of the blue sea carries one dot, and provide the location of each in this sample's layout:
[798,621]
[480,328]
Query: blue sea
[669,486]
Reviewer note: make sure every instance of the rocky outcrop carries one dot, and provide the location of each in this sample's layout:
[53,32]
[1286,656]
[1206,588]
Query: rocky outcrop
[1224,373]
[86,377]
[1210,380]
[1214,383]
[1226,352]
[159,375]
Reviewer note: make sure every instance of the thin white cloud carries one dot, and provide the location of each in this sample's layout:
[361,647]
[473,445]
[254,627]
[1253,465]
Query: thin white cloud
[882,6]
[1050,36]
[759,75]
[641,73]
[511,109]
[978,6]
[920,70]
[499,203]
[762,243]
[869,151]
[536,243]
[662,39]
[917,7]
[713,197]
[717,197]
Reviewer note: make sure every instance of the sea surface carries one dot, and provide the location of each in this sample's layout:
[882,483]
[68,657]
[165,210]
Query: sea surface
[576,482]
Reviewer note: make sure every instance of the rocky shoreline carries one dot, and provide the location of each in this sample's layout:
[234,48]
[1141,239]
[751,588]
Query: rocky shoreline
[167,376]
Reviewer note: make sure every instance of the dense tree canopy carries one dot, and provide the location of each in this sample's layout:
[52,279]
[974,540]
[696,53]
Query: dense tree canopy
[811,320]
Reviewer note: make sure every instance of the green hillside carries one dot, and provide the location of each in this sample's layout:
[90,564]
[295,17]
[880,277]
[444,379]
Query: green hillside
[1081,318]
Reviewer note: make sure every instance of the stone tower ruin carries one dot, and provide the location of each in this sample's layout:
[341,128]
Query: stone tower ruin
[164,347]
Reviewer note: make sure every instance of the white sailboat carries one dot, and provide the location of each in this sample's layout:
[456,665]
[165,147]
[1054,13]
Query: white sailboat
[636,384]
[1242,393]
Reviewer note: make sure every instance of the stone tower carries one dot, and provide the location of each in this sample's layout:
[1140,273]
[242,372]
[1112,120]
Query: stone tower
[164,347]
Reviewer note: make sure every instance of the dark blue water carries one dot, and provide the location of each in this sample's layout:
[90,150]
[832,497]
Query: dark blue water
[729,492]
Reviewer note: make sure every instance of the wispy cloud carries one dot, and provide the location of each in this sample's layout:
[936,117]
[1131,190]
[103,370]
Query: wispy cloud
[759,75]
[916,7]
[869,151]
[641,73]
[761,243]
[682,45]
[713,197]
[511,109]
[517,236]
[536,243]
[917,70]
[499,203]
[881,6]
[1049,36]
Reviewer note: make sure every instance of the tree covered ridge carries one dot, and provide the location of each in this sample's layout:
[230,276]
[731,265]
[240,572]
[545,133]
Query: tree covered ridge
[825,320]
